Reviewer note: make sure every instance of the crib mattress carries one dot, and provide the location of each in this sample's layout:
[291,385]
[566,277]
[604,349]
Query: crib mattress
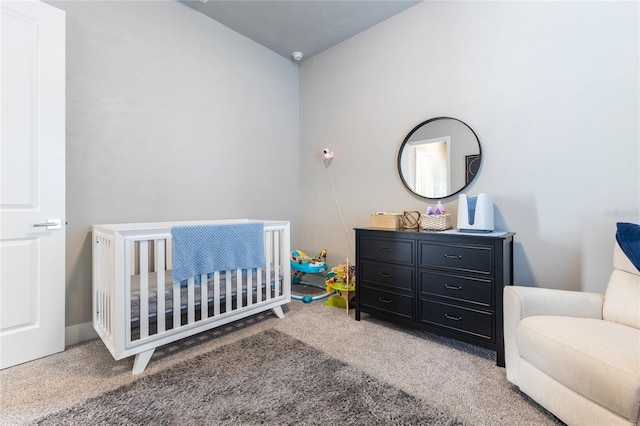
[168,294]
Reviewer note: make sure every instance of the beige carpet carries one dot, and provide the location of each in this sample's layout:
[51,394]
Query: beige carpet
[457,378]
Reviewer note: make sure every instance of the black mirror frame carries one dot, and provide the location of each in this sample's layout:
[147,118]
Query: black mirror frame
[406,139]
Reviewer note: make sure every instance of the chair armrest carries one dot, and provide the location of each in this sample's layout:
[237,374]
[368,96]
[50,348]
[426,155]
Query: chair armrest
[521,302]
[529,301]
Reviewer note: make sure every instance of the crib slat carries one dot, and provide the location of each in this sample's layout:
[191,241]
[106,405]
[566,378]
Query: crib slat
[259,272]
[268,251]
[249,287]
[176,305]
[144,289]
[276,262]
[129,247]
[108,294]
[239,280]
[228,291]
[133,256]
[160,260]
[191,312]
[216,293]
[110,302]
[204,308]
[106,291]
[169,254]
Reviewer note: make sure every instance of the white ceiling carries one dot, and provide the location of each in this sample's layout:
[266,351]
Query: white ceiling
[307,26]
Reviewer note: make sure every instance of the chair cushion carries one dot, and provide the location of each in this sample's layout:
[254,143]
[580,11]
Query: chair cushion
[622,298]
[597,359]
[622,262]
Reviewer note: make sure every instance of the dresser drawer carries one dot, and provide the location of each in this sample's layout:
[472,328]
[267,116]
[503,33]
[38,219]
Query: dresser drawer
[477,291]
[457,257]
[389,275]
[400,305]
[456,318]
[387,250]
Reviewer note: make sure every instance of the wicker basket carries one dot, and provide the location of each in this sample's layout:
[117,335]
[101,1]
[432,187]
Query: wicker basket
[435,222]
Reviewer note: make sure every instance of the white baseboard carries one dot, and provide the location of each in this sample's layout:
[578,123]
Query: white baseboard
[79,333]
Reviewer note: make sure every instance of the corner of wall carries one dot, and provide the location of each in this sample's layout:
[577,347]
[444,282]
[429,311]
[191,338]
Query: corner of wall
[79,333]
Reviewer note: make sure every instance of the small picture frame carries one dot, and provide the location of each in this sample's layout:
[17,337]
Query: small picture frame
[472,165]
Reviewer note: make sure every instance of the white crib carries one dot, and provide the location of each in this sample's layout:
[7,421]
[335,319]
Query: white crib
[132,271]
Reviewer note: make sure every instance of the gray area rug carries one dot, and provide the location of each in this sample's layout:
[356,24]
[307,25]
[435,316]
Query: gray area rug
[269,378]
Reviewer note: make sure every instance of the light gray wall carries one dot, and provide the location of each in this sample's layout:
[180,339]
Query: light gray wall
[551,89]
[170,116]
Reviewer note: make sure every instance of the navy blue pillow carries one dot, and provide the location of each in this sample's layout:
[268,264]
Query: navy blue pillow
[628,236]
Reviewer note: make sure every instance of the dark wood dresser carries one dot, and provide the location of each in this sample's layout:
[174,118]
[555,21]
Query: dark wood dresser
[443,282]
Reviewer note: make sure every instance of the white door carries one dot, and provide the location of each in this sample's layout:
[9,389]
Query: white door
[32,179]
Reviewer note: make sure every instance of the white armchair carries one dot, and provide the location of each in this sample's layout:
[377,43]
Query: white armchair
[578,354]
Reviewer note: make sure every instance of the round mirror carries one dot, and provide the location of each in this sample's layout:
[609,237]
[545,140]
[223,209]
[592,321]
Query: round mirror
[439,158]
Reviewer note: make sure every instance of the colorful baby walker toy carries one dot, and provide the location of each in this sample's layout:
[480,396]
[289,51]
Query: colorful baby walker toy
[301,264]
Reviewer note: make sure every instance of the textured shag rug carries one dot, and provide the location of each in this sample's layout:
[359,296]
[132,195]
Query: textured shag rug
[269,378]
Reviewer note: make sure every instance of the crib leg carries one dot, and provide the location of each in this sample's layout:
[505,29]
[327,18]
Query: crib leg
[277,311]
[142,360]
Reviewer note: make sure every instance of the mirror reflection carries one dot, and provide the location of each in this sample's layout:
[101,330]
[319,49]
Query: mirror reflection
[439,158]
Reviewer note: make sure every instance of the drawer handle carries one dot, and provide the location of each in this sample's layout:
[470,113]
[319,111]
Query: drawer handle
[452,287]
[383,275]
[452,256]
[386,249]
[451,317]
[384,300]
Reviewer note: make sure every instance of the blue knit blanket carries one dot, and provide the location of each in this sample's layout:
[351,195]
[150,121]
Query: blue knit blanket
[201,249]
[628,236]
